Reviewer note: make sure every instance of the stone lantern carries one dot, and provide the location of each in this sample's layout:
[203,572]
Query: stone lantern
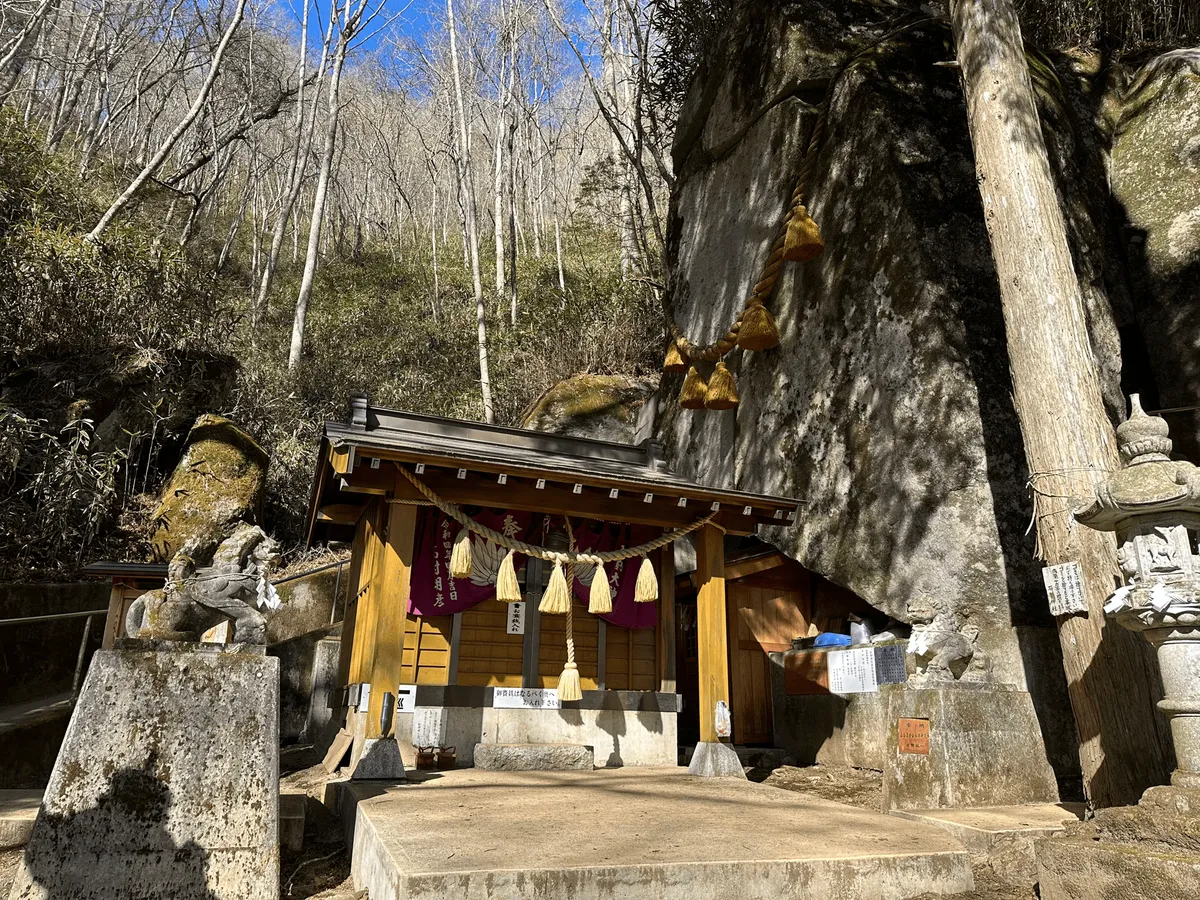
[1153,504]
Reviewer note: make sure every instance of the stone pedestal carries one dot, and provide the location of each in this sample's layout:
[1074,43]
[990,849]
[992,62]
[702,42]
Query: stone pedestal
[167,784]
[981,750]
[380,761]
[1175,634]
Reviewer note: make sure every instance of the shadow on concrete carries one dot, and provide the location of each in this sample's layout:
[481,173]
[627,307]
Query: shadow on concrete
[119,849]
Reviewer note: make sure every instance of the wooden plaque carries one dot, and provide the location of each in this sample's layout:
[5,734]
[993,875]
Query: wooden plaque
[914,736]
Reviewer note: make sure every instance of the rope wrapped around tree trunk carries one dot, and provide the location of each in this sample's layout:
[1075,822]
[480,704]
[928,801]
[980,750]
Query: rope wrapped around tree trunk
[568,557]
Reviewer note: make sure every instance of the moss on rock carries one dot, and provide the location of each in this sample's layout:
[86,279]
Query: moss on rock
[604,407]
[219,481]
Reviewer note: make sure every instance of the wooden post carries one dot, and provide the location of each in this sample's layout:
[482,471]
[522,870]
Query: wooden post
[114,624]
[666,619]
[710,623]
[362,650]
[1069,441]
[390,601]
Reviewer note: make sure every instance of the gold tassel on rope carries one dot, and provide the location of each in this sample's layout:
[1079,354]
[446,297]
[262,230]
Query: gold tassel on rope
[722,389]
[600,596]
[803,241]
[674,362]
[557,599]
[460,558]
[508,589]
[694,390]
[758,331]
[646,590]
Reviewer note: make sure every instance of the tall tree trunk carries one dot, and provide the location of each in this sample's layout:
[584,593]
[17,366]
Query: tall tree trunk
[1069,441]
[468,191]
[297,166]
[349,24]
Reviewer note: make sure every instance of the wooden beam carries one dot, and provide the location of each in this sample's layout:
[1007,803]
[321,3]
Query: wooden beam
[666,619]
[390,590]
[754,565]
[713,650]
[341,513]
[113,623]
[555,498]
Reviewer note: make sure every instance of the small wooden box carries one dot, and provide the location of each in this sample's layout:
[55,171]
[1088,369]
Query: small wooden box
[806,672]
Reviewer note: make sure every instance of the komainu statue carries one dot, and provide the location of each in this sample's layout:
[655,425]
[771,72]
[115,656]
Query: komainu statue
[195,598]
[945,650]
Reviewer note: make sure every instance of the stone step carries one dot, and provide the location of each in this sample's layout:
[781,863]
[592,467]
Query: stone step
[1005,834]
[18,809]
[534,757]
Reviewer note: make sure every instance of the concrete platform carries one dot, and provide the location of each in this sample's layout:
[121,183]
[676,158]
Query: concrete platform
[638,832]
[1005,834]
[18,809]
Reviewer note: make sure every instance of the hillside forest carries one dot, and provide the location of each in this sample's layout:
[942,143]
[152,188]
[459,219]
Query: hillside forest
[257,207]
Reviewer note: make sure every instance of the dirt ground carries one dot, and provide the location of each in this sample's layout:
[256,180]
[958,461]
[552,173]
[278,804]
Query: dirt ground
[864,788]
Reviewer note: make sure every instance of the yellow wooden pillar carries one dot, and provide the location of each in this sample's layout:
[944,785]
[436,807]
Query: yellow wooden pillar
[713,653]
[393,575]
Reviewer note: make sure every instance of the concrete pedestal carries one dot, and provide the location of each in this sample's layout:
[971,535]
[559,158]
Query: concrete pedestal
[713,759]
[167,784]
[982,749]
[380,761]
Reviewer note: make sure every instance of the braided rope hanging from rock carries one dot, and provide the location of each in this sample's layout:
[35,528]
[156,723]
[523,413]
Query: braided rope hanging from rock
[799,240]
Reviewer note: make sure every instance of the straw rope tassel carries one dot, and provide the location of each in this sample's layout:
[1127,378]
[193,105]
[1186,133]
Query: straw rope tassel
[646,590]
[569,687]
[695,389]
[600,596]
[508,589]
[557,599]
[722,389]
[460,557]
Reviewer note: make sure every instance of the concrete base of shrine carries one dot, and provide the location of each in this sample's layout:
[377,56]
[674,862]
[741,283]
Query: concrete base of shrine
[633,833]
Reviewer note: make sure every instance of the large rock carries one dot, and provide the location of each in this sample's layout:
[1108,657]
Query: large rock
[1128,853]
[604,407]
[1156,182]
[219,482]
[887,409]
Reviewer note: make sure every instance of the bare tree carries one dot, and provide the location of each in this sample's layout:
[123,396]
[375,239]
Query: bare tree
[177,132]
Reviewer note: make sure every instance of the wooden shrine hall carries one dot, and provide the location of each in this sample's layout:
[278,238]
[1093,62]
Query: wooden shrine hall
[524,520]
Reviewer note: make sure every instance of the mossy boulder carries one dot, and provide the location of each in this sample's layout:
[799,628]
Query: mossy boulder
[219,482]
[604,407]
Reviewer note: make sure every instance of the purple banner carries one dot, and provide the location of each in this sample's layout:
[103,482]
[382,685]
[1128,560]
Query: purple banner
[433,592]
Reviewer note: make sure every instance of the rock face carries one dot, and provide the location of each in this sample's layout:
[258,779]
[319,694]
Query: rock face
[604,407]
[1156,180]
[219,482]
[887,407]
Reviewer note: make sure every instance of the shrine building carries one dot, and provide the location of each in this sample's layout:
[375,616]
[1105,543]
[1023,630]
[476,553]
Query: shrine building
[439,661]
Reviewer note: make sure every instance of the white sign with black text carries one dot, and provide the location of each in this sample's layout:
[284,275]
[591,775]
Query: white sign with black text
[514,622]
[429,727]
[1064,587]
[525,698]
[853,671]
[406,698]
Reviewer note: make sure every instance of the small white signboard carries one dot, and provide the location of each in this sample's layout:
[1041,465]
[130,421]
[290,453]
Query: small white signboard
[514,622]
[525,698]
[429,726]
[406,698]
[853,671]
[364,697]
[1064,586]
